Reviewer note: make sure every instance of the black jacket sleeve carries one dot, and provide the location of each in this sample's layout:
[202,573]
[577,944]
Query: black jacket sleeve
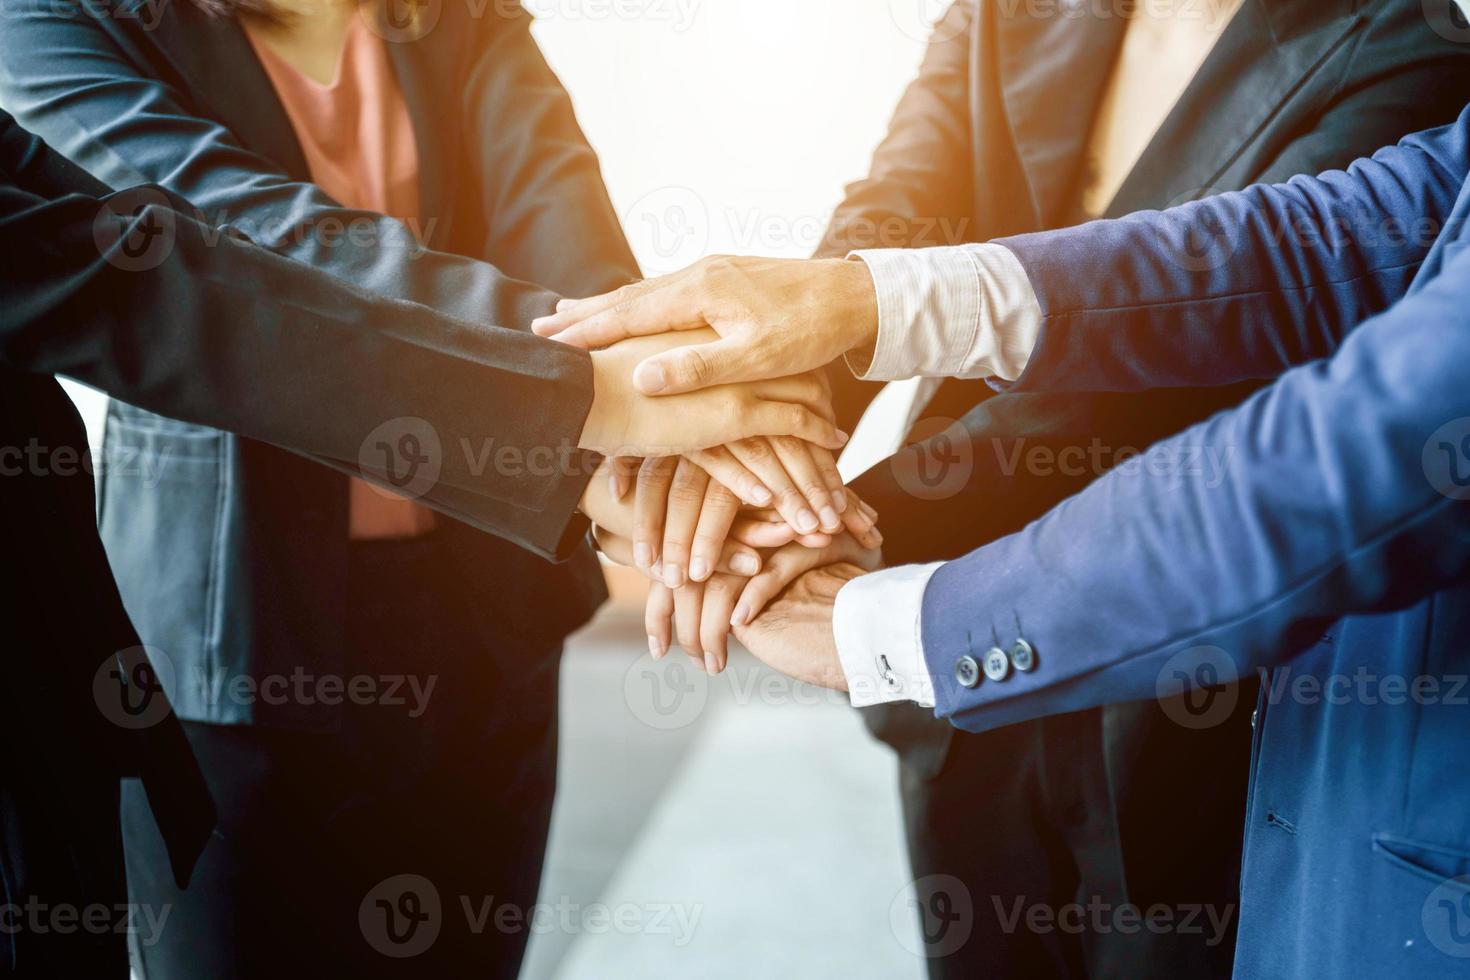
[110,291]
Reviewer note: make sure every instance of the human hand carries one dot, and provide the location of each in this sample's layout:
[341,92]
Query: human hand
[683,513]
[624,422]
[795,635]
[614,520]
[774,317]
[700,615]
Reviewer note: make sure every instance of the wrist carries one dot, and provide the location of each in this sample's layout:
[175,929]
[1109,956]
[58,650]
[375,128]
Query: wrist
[603,428]
[857,303]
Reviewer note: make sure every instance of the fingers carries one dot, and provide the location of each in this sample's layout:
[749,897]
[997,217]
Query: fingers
[770,418]
[685,502]
[712,533]
[760,457]
[798,462]
[861,521]
[720,595]
[688,608]
[826,463]
[781,569]
[655,477]
[658,614]
[622,471]
[735,559]
[723,467]
[720,362]
[652,307]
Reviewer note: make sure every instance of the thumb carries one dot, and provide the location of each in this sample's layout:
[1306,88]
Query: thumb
[687,369]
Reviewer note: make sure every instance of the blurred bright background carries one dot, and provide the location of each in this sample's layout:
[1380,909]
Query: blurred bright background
[739,826]
[760,815]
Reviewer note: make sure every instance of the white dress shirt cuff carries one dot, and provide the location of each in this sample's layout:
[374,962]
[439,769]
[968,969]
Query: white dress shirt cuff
[876,623]
[965,311]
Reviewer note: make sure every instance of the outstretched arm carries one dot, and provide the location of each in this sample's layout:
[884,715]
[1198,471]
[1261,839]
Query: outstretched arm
[1234,287]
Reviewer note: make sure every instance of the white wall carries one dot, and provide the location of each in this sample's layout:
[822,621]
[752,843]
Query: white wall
[732,125]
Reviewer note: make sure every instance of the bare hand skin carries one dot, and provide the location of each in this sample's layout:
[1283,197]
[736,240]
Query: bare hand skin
[623,422]
[795,635]
[774,317]
[700,614]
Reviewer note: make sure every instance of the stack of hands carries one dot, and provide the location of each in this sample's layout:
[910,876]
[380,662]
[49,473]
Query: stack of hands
[720,482]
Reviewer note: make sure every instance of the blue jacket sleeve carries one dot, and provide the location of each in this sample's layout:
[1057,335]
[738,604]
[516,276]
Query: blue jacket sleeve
[1332,492]
[1241,286]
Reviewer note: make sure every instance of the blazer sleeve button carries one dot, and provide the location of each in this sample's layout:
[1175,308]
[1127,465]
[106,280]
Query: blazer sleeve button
[967,672]
[1023,658]
[997,664]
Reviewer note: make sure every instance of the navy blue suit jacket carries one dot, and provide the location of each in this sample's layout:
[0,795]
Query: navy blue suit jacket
[1319,532]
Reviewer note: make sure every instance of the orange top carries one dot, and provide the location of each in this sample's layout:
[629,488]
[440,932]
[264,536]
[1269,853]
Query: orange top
[359,145]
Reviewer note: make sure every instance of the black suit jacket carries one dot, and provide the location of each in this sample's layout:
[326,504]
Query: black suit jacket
[234,560]
[89,292]
[990,140]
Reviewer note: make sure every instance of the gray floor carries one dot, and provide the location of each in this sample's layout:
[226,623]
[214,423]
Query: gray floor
[733,827]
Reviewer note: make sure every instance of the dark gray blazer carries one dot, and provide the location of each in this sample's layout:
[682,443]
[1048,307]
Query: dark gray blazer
[229,552]
[133,297]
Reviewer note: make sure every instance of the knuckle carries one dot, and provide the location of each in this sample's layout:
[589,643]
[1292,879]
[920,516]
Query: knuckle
[757,451]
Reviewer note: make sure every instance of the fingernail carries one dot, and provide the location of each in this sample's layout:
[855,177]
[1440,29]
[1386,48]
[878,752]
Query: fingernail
[745,564]
[711,664]
[673,576]
[877,536]
[655,647]
[839,497]
[842,437]
[806,521]
[642,555]
[539,323]
[760,496]
[657,570]
[562,304]
[741,616]
[699,569]
[649,378]
[830,520]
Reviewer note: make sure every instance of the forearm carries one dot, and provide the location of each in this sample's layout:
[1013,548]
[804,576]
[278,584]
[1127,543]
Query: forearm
[297,359]
[1235,287]
[1316,499]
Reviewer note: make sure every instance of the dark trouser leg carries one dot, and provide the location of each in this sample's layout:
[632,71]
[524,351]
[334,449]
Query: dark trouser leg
[56,876]
[320,831]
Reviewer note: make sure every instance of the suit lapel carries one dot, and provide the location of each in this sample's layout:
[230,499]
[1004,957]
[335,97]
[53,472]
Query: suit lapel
[1238,90]
[220,69]
[1055,70]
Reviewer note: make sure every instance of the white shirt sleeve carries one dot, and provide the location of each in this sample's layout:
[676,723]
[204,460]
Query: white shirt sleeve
[876,623]
[964,311]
